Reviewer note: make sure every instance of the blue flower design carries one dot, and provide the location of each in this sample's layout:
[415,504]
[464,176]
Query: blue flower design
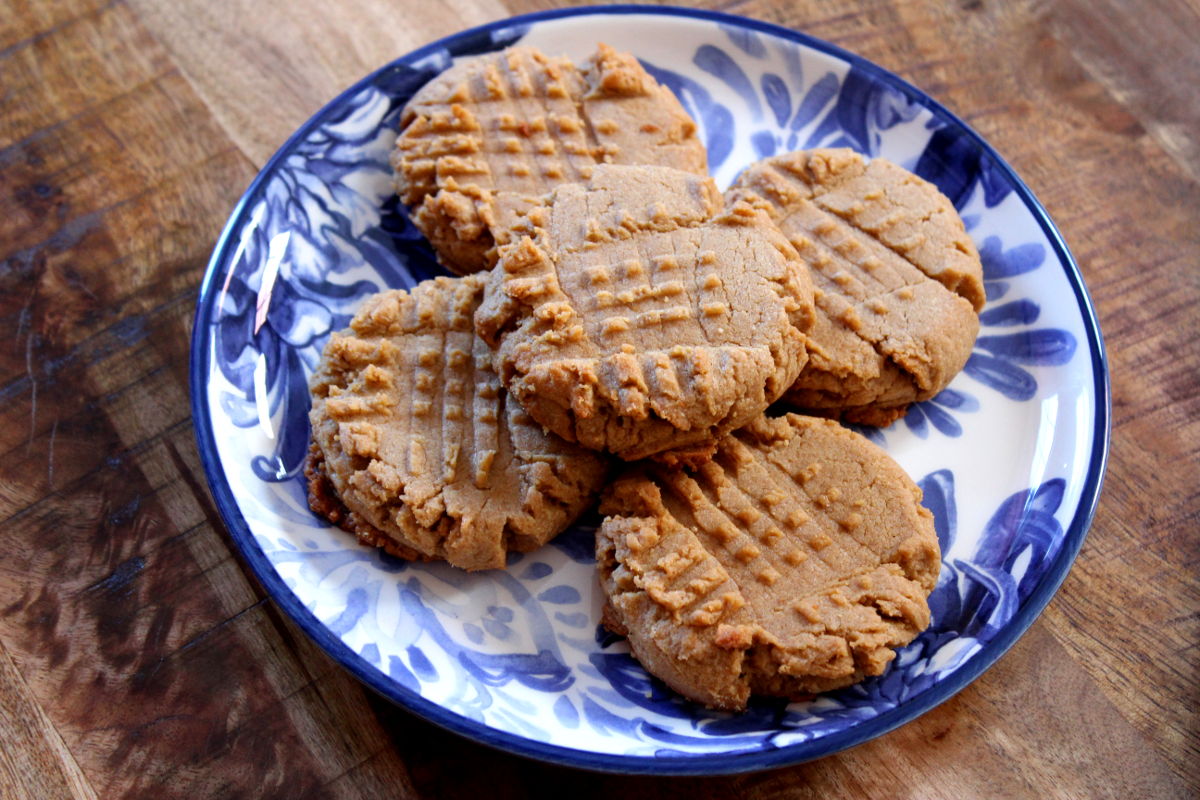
[850,111]
[782,128]
[998,359]
[865,108]
[292,282]
[518,650]
[937,413]
[956,163]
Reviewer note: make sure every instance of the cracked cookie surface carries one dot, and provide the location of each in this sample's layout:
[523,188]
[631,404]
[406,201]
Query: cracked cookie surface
[418,449]
[632,314]
[794,562]
[480,142]
[898,282]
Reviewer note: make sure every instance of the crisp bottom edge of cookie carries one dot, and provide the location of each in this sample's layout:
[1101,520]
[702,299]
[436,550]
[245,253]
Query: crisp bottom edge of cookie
[325,503]
[870,416]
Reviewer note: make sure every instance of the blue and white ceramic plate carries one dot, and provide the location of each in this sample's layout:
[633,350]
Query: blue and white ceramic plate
[1010,456]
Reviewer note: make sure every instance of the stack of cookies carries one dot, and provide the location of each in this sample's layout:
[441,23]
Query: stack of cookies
[618,333]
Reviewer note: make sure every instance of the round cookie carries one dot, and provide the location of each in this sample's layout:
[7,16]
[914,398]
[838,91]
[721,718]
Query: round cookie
[416,446]
[794,562]
[480,142]
[898,281]
[632,314]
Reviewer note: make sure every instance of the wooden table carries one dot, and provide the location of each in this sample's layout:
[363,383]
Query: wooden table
[138,657]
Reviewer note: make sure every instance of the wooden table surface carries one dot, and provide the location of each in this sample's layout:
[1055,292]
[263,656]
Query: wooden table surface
[138,656]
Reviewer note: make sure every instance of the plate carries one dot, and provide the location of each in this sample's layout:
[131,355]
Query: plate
[1010,456]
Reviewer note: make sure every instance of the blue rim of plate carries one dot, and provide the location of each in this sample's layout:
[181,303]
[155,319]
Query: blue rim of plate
[656,765]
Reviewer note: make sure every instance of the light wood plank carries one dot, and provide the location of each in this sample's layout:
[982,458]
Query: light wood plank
[34,762]
[291,58]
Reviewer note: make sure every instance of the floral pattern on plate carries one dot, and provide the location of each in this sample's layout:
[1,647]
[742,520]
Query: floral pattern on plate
[515,657]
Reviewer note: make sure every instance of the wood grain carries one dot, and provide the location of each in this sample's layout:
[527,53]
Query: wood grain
[139,658]
[299,60]
[34,762]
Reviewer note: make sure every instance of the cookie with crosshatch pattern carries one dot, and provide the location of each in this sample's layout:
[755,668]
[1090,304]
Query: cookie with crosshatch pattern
[492,133]
[633,314]
[898,281]
[418,449]
[794,562]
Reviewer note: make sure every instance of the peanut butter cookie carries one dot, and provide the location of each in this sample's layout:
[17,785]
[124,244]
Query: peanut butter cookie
[417,448]
[486,137]
[632,314]
[794,562]
[898,281]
